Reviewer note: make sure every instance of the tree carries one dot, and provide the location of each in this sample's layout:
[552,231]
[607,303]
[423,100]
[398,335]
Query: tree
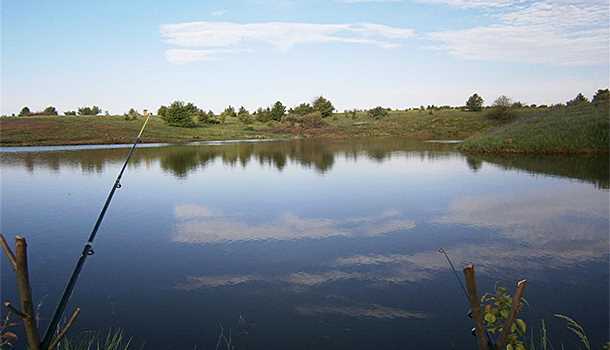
[278,111]
[263,115]
[601,98]
[475,103]
[243,115]
[324,106]
[132,114]
[178,114]
[25,111]
[229,112]
[50,111]
[162,112]
[377,112]
[95,110]
[70,113]
[303,109]
[502,109]
[580,98]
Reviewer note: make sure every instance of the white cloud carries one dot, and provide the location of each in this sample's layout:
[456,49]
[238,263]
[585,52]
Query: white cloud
[208,37]
[551,32]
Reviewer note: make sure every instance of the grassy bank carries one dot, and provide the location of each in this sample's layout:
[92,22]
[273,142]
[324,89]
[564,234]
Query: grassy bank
[557,130]
[62,130]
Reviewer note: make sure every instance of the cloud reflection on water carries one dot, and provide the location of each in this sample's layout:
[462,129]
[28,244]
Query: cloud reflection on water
[199,224]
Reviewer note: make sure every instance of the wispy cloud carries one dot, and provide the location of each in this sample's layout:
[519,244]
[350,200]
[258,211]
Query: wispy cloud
[208,36]
[198,224]
[551,32]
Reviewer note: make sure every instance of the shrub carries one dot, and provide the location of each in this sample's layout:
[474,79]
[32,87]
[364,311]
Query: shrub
[179,114]
[377,112]
[95,110]
[162,112]
[70,113]
[132,114]
[263,115]
[25,111]
[324,106]
[601,98]
[243,115]
[501,109]
[313,120]
[580,98]
[302,109]
[229,112]
[278,111]
[49,111]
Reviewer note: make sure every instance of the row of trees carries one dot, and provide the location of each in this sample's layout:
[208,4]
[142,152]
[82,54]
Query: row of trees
[94,110]
[189,115]
[601,98]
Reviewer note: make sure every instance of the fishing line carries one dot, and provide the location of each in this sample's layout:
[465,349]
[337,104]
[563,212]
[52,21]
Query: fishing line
[442,251]
[88,248]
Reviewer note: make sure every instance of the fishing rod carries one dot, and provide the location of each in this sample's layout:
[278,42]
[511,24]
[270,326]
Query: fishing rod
[87,249]
[490,341]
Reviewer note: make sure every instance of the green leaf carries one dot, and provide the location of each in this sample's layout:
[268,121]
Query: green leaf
[489,317]
[509,347]
[521,324]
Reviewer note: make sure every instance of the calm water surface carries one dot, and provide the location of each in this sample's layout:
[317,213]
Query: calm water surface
[308,244]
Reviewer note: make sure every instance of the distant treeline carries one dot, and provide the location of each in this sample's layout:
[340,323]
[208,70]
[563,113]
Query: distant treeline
[187,114]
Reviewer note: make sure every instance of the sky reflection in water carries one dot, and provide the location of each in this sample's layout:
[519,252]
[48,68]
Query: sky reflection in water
[328,244]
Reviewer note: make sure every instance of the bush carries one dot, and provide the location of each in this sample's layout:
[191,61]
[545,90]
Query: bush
[324,106]
[378,112]
[243,115]
[263,115]
[95,110]
[69,113]
[302,109]
[50,111]
[475,103]
[312,120]
[162,112]
[179,114]
[501,109]
[25,111]
[601,98]
[132,114]
[278,111]
[580,98]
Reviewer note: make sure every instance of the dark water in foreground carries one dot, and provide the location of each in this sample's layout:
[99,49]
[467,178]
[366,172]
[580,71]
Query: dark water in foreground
[309,244]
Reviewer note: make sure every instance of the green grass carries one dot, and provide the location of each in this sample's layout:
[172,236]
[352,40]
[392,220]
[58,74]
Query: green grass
[114,339]
[53,130]
[577,129]
[558,130]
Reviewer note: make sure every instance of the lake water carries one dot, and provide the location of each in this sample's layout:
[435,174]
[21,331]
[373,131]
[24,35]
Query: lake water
[309,244]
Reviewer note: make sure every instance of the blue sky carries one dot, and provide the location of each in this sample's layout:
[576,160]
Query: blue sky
[358,53]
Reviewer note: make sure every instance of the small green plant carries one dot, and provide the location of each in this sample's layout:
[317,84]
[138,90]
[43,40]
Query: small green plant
[113,340]
[496,310]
